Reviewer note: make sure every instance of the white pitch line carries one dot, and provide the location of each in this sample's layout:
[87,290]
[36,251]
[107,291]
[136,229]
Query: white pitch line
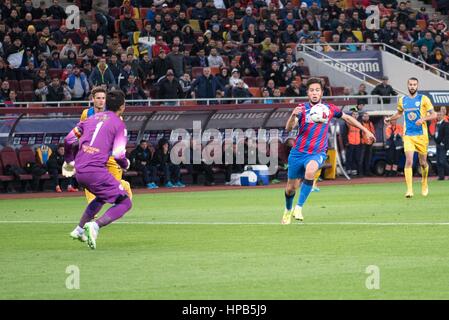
[238,223]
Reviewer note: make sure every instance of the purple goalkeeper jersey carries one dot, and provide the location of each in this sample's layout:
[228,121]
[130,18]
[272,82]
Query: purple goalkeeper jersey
[100,136]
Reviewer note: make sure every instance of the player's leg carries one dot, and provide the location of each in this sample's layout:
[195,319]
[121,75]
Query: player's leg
[92,209]
[294,166]
[421,147]
[409,149]
[311,168]
[315,181]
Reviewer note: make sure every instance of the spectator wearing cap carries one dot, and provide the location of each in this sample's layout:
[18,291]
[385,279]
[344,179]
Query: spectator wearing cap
[176,58]
[28,56]
[160,66]
[170,88]
[248,18]
[78,84]
[101,74]
[160,45]
[68,70]
[205,86]
[384,89]
[235,78]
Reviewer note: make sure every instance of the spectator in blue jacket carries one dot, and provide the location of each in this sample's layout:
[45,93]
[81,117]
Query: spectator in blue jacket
[205,86]
[78,85]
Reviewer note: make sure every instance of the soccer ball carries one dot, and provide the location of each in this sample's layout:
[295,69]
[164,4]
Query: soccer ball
[319,113]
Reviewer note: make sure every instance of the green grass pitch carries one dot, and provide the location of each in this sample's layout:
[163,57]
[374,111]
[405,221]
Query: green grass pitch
[230,245]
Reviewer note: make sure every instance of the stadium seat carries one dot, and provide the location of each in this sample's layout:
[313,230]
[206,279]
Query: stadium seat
[55,73]
[196,72]
[26,155]
[26,85]
[3,177]
[328,36]
[337,91]
[54,24]
[422,23]
[255,91]
[215,70]
[14,85]
[305,70]
[250,81]
[27,96]
[115,12]
[8,156]
[260,82]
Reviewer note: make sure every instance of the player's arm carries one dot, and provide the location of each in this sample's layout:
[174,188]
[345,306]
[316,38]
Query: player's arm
[428,107]
[398,114]
[71,142]
[119,147]
[353,122]
[293,120]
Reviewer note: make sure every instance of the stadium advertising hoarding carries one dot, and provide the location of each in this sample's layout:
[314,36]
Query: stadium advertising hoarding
[368,62]
[438,98]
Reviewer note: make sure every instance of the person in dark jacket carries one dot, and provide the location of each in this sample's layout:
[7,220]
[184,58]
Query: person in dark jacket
[55,90]
[54,168]
[442,143]
[133,90]
[384,89]
[163,163]
[101,74]
[169,88]
[206,86]
[142,158]
[161,65]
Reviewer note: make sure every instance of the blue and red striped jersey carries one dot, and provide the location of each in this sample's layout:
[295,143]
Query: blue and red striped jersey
[312,137]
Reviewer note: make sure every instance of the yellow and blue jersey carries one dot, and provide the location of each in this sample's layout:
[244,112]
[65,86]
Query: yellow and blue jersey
[414,109]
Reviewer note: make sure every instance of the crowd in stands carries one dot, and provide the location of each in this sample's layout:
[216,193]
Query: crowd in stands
[171,49]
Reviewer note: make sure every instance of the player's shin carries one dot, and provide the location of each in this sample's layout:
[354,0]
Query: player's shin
[289,200]
[115,212]
[425,174]
[92,209]
[306,188]
[408,173]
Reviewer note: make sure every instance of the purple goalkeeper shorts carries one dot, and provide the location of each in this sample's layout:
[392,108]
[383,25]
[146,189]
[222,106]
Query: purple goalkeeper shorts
[102,184]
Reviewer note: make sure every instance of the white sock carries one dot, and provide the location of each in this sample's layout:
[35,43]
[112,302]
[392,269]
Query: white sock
[79,230]
[297,206]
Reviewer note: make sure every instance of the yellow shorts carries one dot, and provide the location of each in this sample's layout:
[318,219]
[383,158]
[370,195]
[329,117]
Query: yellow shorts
[416,143]
[117,173]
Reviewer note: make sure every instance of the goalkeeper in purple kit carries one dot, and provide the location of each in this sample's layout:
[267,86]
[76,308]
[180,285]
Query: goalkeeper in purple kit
[99,137]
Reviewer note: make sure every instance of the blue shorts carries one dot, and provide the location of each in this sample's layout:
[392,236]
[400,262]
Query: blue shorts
[297,162]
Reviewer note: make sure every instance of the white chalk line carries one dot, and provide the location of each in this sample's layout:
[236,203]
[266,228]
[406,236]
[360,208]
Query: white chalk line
[336,223]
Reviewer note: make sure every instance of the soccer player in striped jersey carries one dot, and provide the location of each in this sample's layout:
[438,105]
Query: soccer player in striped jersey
[309,152]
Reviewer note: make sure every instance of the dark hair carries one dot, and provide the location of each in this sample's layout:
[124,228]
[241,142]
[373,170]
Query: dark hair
[313,81]
[142,141]
[413,78]
[114,100]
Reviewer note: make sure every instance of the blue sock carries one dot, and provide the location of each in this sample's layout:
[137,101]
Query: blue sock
[306,188]
[289,201]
